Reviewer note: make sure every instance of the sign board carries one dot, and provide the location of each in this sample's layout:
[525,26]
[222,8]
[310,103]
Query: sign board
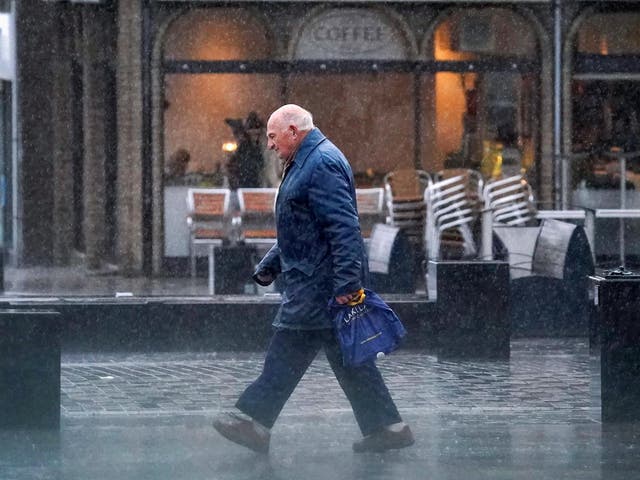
[350,34]
[381,244]
[551,249]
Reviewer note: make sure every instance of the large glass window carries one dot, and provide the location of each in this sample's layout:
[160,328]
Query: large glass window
[202,115]
[609,34]
[484,114]
[471,102]
[369,116]
[221,68]
[206,115]
[605,128]
[218,34]
[606,105]
[197,107]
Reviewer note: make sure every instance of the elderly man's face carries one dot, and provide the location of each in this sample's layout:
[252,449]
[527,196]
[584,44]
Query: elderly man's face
[282,138]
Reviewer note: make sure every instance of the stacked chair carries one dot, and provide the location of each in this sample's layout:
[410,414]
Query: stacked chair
[454,204]
[404,191]
[510,215]
[510,200]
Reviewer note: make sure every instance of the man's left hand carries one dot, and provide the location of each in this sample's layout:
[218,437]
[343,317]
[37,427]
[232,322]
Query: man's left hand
[351,297]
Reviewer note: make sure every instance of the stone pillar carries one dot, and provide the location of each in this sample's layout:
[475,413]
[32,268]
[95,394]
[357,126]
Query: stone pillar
[62,118]
[130,106]
[34,30]
[95,55]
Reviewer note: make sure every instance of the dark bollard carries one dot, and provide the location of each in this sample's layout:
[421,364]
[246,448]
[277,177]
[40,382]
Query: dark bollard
[472,300]
[616,296]
[233,268]
[29,369]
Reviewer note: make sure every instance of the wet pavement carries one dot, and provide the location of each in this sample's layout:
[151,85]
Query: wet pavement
[79,282]
[148,416]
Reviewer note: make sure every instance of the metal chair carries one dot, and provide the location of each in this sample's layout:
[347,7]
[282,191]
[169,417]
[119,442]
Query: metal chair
[404,196]
[208,218]
[257,222]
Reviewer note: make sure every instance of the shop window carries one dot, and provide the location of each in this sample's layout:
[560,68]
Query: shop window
[369,114]
[197,108]
[203,113]
[605,115]
[218,34]
[472,33]
[477,119]
[605,127]
[610,34]
[209,118]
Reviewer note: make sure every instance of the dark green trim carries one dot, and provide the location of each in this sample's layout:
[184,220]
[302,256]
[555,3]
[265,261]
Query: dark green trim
[604,64]
[348,66]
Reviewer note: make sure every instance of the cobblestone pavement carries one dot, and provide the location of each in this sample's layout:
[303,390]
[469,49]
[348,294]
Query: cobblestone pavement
[148,417]
[545,380]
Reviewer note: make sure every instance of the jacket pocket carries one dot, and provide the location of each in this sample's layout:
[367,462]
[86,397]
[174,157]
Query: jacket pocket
[305,268]
[320,265]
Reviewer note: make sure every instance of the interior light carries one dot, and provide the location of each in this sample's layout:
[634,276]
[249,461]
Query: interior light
[229,146]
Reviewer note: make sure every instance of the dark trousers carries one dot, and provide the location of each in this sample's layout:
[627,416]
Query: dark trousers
[289,355]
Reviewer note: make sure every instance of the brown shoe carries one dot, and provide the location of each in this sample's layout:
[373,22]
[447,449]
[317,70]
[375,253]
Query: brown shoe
[243,432]
[384,440]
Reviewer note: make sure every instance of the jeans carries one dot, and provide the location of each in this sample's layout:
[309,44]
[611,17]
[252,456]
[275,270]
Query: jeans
[289,355]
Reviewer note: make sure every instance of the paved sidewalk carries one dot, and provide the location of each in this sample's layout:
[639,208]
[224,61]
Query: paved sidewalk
[550,380]
[148,416]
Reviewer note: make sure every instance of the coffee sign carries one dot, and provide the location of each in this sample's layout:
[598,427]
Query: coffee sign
[350,34]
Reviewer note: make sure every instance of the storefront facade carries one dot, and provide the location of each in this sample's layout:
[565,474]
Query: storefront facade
[7,126]
[426,85]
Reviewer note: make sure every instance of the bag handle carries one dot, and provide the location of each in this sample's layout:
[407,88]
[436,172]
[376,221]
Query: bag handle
[359,299]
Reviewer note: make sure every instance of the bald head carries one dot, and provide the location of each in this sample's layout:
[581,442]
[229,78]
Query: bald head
[292,114]
[286,129]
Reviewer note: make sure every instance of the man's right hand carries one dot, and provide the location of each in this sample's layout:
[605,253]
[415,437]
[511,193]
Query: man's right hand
[263,278]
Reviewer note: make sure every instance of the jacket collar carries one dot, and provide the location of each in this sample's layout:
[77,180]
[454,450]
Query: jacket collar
[314,138]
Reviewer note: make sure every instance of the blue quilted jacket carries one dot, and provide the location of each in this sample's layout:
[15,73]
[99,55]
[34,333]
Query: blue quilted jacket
[319,251]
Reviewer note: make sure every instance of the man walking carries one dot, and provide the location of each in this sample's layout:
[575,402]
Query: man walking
[320,254]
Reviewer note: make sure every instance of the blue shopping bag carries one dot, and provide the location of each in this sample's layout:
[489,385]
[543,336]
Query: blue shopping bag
[366,328]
